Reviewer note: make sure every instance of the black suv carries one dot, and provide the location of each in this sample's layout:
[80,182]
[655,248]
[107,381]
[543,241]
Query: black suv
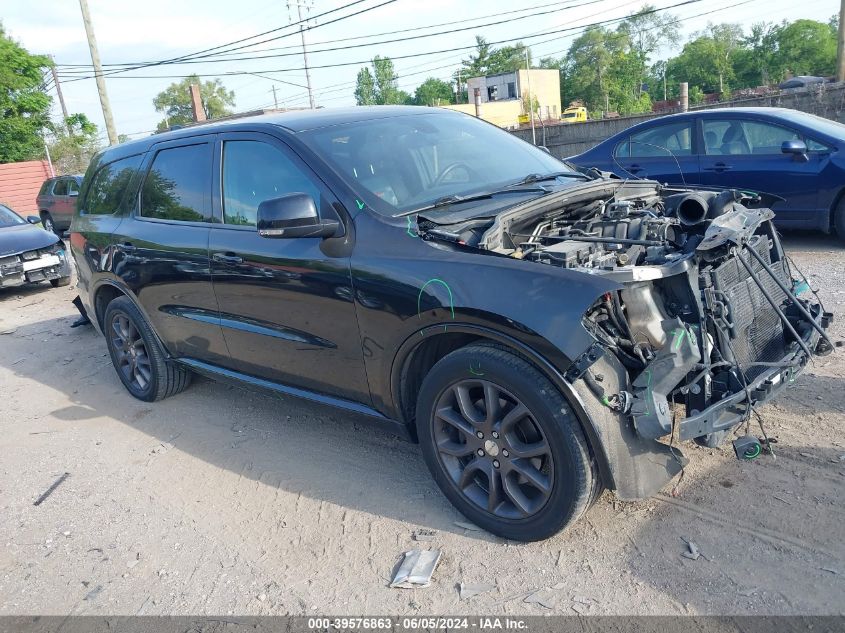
[543,333]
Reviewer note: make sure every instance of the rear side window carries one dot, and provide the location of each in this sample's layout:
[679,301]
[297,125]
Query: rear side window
[108,186]
[60,188]
[178,185]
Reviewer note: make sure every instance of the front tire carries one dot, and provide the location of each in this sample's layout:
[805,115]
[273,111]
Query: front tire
[61,281]
[137,355]
[504,445]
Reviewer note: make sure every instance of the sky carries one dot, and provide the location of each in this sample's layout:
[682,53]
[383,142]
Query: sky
[154,30]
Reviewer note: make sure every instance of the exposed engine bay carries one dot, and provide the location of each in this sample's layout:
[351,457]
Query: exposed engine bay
[709,314]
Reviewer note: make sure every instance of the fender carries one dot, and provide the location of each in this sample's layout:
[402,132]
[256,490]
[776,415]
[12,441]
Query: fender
[593,433]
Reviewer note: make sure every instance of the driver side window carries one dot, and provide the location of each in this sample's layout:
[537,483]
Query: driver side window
[254,171]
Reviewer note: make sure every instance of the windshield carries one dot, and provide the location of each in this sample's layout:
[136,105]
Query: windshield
[401,163]
[9,217]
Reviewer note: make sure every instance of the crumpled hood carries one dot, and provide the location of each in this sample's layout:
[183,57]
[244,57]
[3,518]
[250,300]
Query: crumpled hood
[24,237]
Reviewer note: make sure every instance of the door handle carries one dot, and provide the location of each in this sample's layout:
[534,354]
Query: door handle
[633,168]
[227,258]
[719,167]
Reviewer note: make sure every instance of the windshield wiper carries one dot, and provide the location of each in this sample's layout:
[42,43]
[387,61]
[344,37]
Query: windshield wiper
[530,178]
[446,201]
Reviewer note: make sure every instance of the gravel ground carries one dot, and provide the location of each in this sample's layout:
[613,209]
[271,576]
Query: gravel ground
[224,501]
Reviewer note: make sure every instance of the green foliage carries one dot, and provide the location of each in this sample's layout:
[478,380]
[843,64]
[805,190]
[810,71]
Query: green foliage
[606,69]
[175,101]
[24,104]
[433,92]
[491,61]
[804,47]
[724,58]
[379,87]
[365,88]
[74,144]
[614,70]
[695,95]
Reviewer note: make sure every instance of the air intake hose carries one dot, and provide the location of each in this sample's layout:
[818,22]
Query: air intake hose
[695,207]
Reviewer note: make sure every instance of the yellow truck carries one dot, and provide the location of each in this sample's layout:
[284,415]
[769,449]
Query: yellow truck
[574,115]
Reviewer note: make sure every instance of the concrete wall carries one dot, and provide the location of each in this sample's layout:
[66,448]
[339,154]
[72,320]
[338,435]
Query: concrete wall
[502,113]
[20,183]
[563,140]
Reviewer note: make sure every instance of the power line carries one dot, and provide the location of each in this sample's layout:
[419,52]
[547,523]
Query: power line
[345,85]
[393,41]
[198,55]
[338,87]
[414,55]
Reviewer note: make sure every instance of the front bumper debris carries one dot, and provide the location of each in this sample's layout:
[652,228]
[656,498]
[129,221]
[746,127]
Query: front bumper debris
[734,409]
[33,266]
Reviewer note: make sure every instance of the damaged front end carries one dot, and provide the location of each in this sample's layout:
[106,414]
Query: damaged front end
[711,319]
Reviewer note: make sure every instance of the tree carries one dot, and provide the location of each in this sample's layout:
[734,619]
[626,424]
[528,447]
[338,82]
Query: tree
[24,104]
[707,61]
[433,92]
[379,87]
[365,88]
[649,30]
[386,89]
[74,144]
[491,61]
[175,101]
[804,47]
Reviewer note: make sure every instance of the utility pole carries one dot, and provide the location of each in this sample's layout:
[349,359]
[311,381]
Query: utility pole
[305,54]
[58,89]
[531,99]
[98,72]
[275,100]
[684,96]
[840,54]
[196,104]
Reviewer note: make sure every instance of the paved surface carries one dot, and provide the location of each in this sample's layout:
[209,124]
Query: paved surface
[224,501]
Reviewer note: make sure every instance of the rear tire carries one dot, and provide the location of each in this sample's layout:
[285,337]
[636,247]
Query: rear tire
[504,445]
[137,355]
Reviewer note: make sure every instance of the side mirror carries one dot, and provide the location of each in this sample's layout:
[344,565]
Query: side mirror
[797,148]
[293,215]
[73,194]
[33,219]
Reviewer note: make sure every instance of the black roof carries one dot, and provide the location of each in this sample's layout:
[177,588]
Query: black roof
[293,122]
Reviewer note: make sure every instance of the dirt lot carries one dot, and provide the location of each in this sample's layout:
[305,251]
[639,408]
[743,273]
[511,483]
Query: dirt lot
[224,501]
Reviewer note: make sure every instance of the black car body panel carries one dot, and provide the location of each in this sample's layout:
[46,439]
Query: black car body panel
[356,319]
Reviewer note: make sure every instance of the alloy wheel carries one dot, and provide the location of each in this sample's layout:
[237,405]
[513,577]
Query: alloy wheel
[493,449]
[133,361]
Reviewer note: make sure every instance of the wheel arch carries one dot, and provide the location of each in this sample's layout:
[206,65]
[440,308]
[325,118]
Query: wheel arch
[106,291]
[421,351]
[838,199]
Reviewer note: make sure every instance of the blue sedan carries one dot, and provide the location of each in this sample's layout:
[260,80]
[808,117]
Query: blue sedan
[792,154]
